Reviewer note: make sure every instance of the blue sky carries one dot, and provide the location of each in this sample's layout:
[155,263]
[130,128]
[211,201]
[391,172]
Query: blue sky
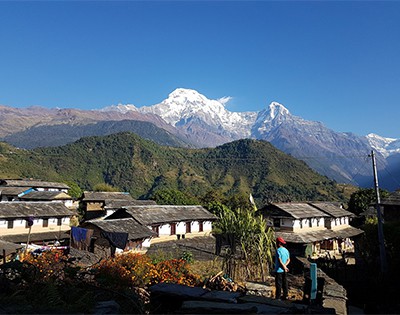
[337,62]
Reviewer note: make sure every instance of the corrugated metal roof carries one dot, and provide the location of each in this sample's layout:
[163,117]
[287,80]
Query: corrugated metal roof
[127,225]
[32,183]
[314,236]
[23,209]
[154,214]
[333,209]
[46,195]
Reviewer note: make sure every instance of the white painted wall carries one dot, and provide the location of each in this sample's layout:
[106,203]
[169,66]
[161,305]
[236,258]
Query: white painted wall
[181,228]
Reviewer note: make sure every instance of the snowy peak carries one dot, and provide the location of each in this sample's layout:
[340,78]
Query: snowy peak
[186,96]
[120,108]
[386,146]
[275,109]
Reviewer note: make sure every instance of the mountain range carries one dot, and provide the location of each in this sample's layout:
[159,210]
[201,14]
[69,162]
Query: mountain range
[143,168]
[188,118]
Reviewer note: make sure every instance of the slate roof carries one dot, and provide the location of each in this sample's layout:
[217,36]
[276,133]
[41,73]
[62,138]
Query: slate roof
[333,209]
[12,191]
[22,209]
[117,204]
[296,210]
[32,183]
[103,196]
[320,235]
[127,225]
[46,195]
[393,199]
[35,237]
[157,214]
[8,247]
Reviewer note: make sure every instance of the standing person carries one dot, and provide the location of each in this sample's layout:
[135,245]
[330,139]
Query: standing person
[282,260]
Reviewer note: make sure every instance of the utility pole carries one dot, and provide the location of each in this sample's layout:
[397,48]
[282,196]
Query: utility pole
[381,238]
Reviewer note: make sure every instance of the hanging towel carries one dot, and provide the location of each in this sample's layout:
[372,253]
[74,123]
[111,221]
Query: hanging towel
[117,239]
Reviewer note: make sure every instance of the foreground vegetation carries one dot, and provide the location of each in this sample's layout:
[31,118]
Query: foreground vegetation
[51,282]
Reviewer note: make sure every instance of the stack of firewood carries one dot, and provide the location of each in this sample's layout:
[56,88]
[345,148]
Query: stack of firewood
[219,282]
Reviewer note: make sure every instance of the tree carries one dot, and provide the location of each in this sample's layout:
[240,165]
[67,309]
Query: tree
[253,237]
[173,197]
[105,187]
[362,199]
[74,190]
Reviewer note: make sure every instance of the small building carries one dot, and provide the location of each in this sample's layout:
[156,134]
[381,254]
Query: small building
[50,196]
[12,193]
[36,184]
[138,238]
[170,222]
[312,228]
[17,218]
[100,204]
[391,207]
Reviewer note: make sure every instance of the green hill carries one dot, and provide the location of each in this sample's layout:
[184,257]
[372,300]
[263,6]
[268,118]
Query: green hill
[141,167]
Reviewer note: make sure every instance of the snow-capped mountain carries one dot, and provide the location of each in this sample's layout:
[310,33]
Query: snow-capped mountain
[185,105]
[203,122]
[386,146]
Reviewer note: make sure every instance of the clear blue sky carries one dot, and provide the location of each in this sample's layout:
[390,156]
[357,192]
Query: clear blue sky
[337,62]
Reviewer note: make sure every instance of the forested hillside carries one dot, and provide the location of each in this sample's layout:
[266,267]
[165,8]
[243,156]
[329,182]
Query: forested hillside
[142,167]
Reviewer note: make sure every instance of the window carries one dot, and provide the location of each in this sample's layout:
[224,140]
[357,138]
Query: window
[277,222]
[310,222]
[45,222]
[59,221]
[156,229]
[10,224]
[201,227]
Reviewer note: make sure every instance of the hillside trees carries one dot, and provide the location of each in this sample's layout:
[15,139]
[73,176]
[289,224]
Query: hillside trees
[362,199]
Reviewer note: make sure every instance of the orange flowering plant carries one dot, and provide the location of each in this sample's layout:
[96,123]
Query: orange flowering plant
[49,265]
[137,270]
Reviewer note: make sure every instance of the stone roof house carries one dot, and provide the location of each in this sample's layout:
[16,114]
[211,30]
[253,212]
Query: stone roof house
[322,225]
[139,236]
[49,220]
[100,204]
[170,222]
[37,184]
[391,207]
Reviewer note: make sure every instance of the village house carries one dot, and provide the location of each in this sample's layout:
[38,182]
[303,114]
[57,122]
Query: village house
[50,196]
[35,184]
[390,207]
[138,237]
[312,228]
[100,204]
[43,221]
[169,222]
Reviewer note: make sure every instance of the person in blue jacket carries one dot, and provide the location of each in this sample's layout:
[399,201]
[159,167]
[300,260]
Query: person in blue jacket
[282,260]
